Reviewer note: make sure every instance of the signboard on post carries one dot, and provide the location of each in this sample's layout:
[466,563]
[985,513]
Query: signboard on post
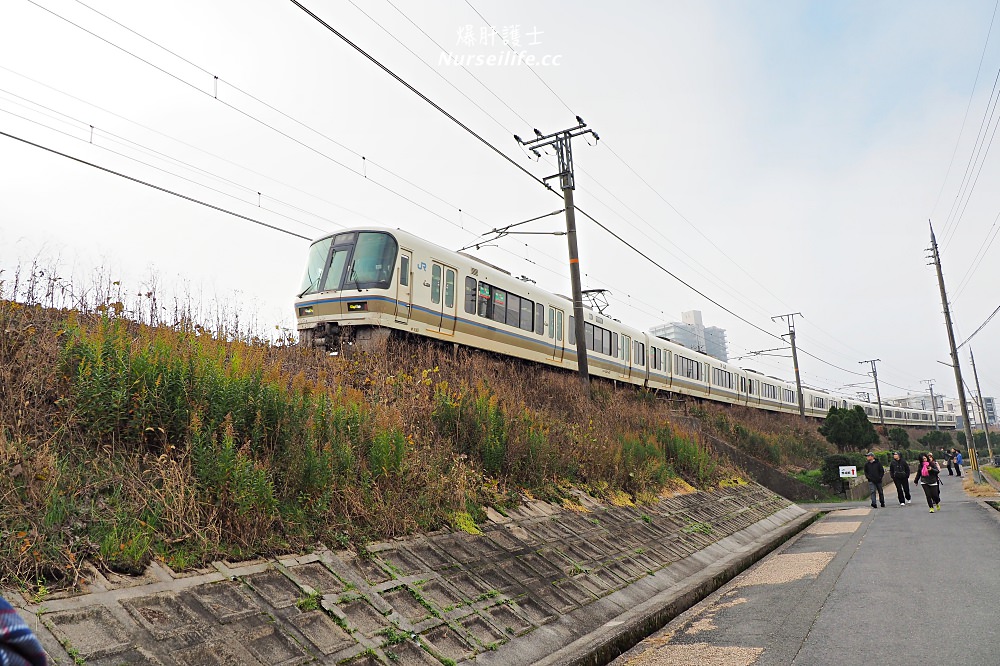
[848,472]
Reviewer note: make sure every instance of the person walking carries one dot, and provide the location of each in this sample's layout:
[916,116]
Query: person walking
[958,462]
[951,458]
[927,478]
[874,472]
[900,473]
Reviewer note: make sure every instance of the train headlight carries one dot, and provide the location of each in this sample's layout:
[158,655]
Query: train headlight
[357,306]
[307,310]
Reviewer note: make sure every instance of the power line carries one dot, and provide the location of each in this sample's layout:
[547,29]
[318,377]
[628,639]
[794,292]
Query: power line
[981,327]
[350,169]
[538,180]
[416,92]
[184,143]
[258,120]
[530,69]
[270,106]
[736,294]
[968,106]
[155,187]
[706,272]
[957,210]
[977,261]
[140,147]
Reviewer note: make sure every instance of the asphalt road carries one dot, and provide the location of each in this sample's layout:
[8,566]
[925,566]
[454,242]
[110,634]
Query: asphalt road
[897,585]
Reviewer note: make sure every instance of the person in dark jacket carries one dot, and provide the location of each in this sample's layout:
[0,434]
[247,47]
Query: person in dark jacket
[874,472]
[951,457]
[958,462]
[900,473]
[927,478]
[18,646]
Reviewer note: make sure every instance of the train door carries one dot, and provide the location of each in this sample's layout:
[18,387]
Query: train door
[404,287]
[626,348]
[556,333]
[443,300]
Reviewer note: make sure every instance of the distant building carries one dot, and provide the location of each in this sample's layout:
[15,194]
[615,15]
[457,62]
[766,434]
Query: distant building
[919,401]
[975,414]
[692,333]
[991,410]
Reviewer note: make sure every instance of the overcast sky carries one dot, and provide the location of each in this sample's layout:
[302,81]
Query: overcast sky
[779,156]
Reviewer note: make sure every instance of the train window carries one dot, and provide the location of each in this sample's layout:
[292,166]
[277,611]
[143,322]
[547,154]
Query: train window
[540,319]
[614,344]
[641,354]
[607,341]
[686,367]
[527,314]
[513,310]
[485,300]
[572,330]
[653,358]
[470,295]
[435,284]
[769,391]
[818,402]
[335,273]
[722,378]
[588,335]
[404,271]
[373,261]
[552,323]
[449,288]
[499,305]
[559,325]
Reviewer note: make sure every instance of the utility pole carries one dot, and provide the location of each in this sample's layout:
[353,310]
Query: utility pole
[936,259]
[982,406]
[790,318]
[878,396]
[930,386]
[561,141]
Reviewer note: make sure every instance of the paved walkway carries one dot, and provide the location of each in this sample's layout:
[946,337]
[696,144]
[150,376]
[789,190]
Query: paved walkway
[897,585]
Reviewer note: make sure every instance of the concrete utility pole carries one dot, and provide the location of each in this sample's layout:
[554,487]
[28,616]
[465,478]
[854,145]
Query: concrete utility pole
[790,317]
[960,385]
[878,396]
[561,141]
[982,406]
[930,386]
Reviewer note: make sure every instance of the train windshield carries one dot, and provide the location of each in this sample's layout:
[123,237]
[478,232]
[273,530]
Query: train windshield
[319,252]
[373,261]
[363,260]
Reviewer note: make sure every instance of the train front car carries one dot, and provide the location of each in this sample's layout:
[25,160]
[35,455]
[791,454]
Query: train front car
[348,292]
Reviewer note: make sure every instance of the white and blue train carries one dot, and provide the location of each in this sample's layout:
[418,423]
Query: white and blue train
[363,283]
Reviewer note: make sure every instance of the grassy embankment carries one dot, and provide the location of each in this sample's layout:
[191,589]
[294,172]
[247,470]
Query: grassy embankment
[121,441]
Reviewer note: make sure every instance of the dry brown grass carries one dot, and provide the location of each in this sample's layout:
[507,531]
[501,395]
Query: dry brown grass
[979,490]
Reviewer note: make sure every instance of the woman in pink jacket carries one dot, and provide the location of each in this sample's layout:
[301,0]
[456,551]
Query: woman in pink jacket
[927,478]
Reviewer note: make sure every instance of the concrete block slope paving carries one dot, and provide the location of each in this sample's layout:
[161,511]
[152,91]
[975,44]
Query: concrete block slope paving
[533,583]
